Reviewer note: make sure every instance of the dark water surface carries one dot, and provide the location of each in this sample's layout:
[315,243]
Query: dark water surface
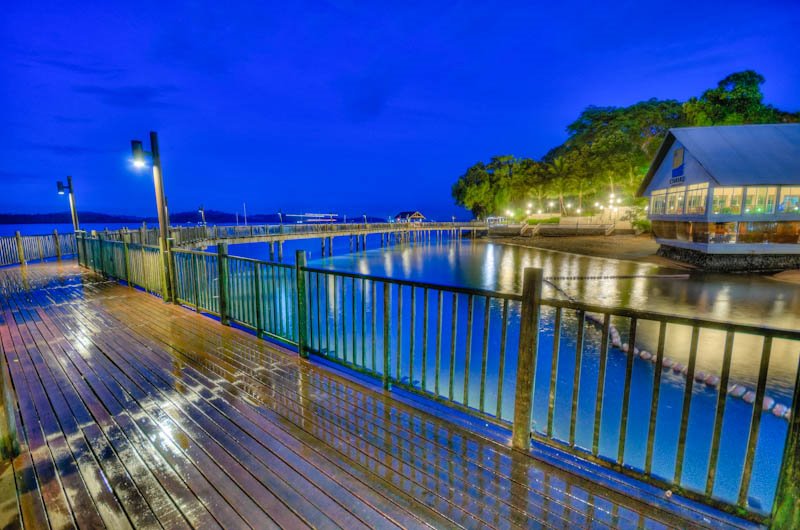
[750,299]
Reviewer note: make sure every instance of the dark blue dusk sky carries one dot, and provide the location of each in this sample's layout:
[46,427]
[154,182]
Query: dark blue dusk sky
[341,106]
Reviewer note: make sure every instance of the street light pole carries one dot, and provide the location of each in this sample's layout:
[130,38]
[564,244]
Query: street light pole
[73,211]
[161,204]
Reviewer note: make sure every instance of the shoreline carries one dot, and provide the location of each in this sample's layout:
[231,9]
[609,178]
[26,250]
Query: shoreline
[638,248]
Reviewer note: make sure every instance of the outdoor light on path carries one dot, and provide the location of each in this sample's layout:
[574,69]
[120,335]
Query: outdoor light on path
[67,188]
[139,162]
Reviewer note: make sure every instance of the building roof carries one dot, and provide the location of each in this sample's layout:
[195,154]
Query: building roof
[410,213]
[738,154]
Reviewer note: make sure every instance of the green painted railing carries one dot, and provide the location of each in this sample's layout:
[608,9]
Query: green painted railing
[479,351]
[21,249]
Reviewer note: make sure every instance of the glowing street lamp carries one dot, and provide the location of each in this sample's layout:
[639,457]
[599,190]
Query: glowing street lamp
[530,205]
[578,211]
[161,202]
[67,188]
[539,212]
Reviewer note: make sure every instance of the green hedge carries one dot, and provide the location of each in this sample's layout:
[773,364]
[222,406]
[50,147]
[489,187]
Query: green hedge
[548,221]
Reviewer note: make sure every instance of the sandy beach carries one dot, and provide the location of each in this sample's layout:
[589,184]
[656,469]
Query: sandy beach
[628,247]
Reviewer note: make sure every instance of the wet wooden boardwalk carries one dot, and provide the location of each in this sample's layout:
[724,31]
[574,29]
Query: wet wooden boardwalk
[135,413]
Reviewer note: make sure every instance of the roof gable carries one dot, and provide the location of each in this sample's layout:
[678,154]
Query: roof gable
[738,154]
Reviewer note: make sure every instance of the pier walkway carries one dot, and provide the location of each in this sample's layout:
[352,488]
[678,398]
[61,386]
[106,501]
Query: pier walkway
[136,413]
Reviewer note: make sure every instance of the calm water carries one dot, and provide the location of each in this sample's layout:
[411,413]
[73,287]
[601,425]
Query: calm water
[744,299]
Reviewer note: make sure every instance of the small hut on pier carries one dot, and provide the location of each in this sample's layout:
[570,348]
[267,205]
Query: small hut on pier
[411,216]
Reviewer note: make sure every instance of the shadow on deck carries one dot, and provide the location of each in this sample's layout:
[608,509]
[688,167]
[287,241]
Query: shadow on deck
[136,413]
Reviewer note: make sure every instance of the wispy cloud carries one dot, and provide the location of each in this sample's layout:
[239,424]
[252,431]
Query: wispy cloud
[131,96]
[65,149]
[82,69]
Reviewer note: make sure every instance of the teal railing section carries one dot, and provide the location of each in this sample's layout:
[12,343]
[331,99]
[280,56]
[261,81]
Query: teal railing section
[595,382]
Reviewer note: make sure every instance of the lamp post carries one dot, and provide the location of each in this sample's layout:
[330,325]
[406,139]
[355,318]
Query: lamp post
[68,189]
[161,202]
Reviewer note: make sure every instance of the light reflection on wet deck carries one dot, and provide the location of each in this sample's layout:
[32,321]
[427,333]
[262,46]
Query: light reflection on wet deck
[135,413]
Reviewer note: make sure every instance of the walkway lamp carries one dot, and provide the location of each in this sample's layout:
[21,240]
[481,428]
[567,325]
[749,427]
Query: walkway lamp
[139,162]
[67,188]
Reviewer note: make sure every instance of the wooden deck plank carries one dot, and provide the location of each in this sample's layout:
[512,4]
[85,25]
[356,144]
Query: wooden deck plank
[48,480]
[456,485]
[205,425]
[269,460]
[171,327]
[127,477]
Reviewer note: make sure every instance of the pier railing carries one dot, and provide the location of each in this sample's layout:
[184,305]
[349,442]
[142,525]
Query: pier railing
[570,375]
[183,236]
[19,249]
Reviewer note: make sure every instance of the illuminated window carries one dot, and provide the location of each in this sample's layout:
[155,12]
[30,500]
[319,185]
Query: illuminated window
[727,201]
[696,195]
[675,197]
[790,200]
[658,202]
[760,200]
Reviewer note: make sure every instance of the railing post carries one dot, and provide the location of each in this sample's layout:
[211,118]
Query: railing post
[302,303]
[41,247]
[786,507]
[222,272]
[173,289]
[57,244]
[526,361]
[126,258]
[387,308]
[20,249]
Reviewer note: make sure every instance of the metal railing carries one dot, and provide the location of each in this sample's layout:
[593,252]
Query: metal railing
[187,236]
[19,249]
[566,374]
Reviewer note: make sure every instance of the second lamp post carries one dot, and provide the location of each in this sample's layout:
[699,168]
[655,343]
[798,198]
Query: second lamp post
[161,203]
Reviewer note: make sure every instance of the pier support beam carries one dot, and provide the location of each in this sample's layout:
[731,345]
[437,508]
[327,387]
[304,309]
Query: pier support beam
[280,251]
[272,251]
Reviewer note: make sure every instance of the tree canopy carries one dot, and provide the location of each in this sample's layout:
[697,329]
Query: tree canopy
[608,150]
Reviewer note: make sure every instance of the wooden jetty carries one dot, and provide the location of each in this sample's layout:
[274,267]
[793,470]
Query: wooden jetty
[135,413]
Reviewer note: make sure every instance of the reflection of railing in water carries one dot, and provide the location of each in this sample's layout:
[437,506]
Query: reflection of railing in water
[735,390]
[474,350]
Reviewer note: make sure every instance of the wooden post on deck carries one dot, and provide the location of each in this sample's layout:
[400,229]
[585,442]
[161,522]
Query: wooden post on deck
[526,362]
[20,249]
[126,257]
[222,271]
[786,507]
[302,303]
[9,443]
[57,244]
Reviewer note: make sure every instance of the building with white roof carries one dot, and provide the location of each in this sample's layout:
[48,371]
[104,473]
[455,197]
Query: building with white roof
[727,191]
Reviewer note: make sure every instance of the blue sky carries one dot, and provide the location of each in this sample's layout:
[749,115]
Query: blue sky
[341,106]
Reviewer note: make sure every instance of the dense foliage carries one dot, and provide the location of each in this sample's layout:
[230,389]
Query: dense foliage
[607,151]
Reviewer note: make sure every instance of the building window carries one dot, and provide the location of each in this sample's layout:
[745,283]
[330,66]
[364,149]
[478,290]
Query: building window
[760,200]
[727,201]
[790,200]
[675,198]
[722,233]
[769,232]
[696,195]
[658,202]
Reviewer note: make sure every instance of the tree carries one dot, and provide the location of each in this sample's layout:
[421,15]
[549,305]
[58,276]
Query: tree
[737,99]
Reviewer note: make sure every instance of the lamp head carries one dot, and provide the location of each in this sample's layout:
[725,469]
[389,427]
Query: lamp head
[138,154]
[61,188]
